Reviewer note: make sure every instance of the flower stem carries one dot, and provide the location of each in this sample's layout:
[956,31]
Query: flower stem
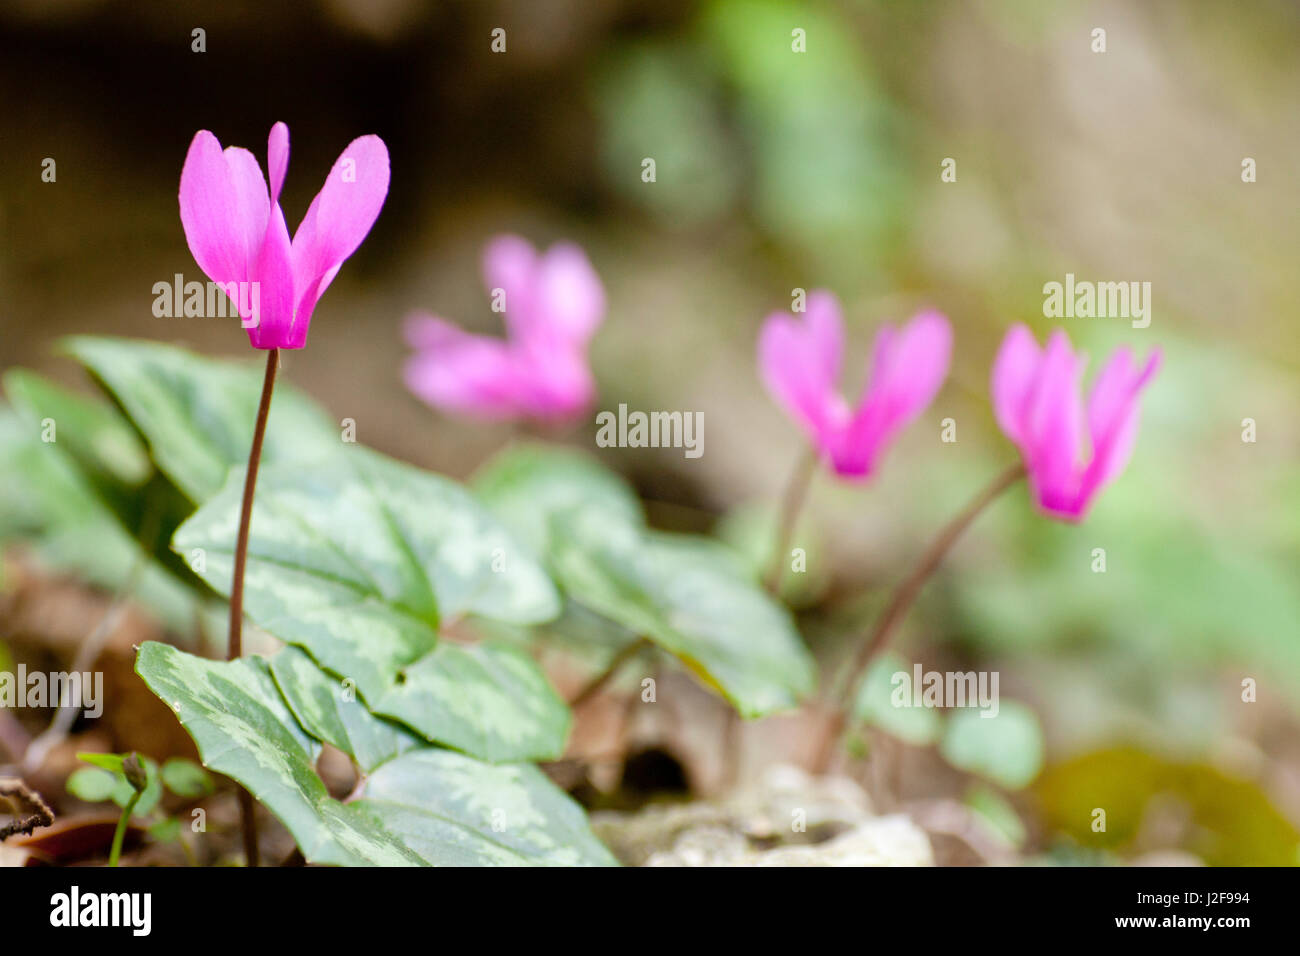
[796,493]
[903,597]
[119,834]
[235,645]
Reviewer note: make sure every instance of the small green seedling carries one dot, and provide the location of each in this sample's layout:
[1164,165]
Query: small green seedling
[136,784]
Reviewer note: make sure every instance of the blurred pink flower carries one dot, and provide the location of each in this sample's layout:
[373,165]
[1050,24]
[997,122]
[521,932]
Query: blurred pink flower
[553,304]
[1036,397]
[237,232]
[799,359]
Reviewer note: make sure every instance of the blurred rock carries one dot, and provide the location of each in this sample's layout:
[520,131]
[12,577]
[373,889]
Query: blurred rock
[788,818]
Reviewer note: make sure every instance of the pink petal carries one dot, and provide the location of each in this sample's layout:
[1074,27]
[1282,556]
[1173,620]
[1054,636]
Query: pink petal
[913,369]
[825,326]
[509,264]
[463,373]
[799,362]
[277,158]
[424,331]
[273,272]
[1055,427]
[568,297]
[1113,409]
[1015,372]
[251,207]
[339,218]
[1111,393]
[556,386]
[908,369]
[224,208]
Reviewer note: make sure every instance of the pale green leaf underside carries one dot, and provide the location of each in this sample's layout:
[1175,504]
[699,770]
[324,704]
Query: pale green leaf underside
[43,490]
[424,807]
[48,502]
[358,561]
[197,413]
[92,431]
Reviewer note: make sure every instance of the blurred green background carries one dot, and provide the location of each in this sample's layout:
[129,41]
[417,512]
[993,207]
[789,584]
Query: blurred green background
[778,170]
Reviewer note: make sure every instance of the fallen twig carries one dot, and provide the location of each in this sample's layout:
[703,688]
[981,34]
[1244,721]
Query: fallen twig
[30,811]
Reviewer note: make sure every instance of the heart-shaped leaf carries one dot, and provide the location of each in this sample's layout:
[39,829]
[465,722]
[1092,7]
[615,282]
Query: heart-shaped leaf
[328,709]
[690,595]
[490,700]
[197,414]
[693,599]
[453,810]
[359,562]
[429,806]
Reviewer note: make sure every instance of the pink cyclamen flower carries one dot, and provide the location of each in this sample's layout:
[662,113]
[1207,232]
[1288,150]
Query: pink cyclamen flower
[553,303]
[799,359]
[238,236]
[1036,397]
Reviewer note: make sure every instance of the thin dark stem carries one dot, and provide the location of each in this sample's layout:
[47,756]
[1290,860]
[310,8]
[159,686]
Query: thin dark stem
[235,646]
[903,597]
[248,826]
[796,492]
[596,683]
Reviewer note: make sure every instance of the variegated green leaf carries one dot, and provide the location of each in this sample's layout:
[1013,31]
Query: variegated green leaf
[328,709]
[430,806]
[359,561]
[197,414]
[488,699]
[690,595]
[453,810]
[244,730]
[528,483]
